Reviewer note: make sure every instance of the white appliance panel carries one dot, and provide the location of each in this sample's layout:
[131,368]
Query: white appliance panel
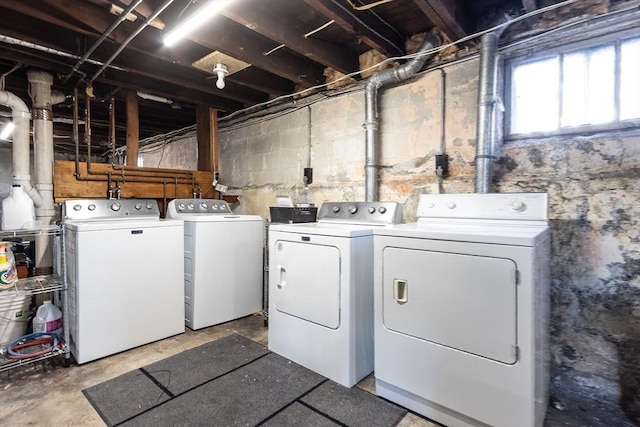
[308,282]
[344,354]
[223,269]
[126,288]
[466,302]
[454,387]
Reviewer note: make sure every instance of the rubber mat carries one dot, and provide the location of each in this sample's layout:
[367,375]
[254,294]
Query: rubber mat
[235,381]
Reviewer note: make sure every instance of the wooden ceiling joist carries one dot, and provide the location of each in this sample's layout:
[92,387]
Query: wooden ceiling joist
[446,15]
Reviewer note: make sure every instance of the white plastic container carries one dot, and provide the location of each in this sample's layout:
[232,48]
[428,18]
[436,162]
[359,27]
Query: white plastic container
[8,272]
[48,319]
[14,315]
[18,210]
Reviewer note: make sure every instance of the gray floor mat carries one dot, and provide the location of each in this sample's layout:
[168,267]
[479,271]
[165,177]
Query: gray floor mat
[297,415]
[123,397]
[193,367]
[353,406]
[244,397]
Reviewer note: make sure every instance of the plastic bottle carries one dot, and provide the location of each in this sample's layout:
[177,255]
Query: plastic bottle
[18,210]
[8,272]
[48,319]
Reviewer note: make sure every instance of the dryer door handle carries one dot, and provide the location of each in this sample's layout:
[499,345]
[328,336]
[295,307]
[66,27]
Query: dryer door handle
[401,291]
[282,276]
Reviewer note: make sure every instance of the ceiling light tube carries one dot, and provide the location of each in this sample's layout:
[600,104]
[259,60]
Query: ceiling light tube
[195,20]
[156,98]
[7,131]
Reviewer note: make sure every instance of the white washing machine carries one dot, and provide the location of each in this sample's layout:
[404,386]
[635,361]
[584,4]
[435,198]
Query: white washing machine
[223,266]
[124,274]
[461,310]
[321,289]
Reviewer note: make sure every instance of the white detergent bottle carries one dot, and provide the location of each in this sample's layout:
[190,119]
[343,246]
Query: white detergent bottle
[8,272]
[48,319]
[18,210]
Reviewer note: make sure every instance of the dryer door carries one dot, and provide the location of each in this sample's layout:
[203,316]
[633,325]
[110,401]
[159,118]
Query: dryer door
[307,282]
[465,302]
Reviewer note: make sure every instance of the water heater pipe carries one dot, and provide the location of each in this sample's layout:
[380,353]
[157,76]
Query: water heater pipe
[372,118]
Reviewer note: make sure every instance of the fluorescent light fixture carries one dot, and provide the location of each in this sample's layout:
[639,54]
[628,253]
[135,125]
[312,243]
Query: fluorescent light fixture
[7,131]
[156,98]
[195,20]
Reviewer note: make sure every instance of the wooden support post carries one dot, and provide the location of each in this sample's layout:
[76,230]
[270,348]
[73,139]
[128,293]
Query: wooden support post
[133,128]
[207,134]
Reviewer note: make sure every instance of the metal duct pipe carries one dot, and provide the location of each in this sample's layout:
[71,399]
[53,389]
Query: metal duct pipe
[372,119]
[487,100]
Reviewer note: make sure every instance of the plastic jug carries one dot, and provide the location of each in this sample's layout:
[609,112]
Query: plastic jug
[8,272]
[48,319]
[18,210]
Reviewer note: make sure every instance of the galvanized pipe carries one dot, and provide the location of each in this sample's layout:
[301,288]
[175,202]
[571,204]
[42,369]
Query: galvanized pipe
[487,100]
[129,39]
[372,118]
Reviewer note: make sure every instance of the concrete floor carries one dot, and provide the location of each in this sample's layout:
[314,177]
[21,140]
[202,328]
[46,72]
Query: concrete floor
[48,394]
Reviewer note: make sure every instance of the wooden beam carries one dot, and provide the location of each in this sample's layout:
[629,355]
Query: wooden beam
[446,15]
[67,186]
[239,42]
[364,25]
[529,5]
[133,132]
[289,32]
[207,135]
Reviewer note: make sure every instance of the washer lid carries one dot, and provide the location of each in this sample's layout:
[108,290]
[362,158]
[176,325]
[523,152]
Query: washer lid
[325,229]
[218,218]
[121,224]
[477,231]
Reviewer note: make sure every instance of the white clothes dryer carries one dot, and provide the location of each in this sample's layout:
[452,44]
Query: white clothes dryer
[124,275]
[321,289]
[223,261]
[461,310]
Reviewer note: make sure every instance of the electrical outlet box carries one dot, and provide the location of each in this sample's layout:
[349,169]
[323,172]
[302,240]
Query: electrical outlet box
[308,176]
[221,188]
[442,165]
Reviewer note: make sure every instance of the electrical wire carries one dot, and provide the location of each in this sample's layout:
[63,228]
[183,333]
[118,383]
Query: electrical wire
[2,78]
[368,6]
[403,57]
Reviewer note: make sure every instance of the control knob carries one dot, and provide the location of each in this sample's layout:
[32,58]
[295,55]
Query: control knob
[92,207]
[372,210]
[451,205]
[77,207]
[150,206]
[138,206]
[518,206]
[336,209]
[382,209]
[115,206]
[353,209]
[203,205]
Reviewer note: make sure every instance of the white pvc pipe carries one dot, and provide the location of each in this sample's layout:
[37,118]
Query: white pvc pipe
[41,97]
[21,151]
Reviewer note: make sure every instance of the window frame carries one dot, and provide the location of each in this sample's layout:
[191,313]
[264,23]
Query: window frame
[538,52]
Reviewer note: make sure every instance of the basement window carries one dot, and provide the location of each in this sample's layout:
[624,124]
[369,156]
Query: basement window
[584,89]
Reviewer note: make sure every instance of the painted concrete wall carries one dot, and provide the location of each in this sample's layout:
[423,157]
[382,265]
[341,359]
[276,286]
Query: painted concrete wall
[594,195]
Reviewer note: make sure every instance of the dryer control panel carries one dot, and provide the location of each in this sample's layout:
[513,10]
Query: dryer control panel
[494,206]
[361,212]
[100,209]
[182,207]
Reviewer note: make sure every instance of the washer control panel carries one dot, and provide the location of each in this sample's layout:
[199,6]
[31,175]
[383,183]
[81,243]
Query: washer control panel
[181,207]
[519,206]
[361,212]
[88,209]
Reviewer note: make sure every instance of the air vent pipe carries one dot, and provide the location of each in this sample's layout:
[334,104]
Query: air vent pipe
[487,102]
[21,151]
[372,119]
